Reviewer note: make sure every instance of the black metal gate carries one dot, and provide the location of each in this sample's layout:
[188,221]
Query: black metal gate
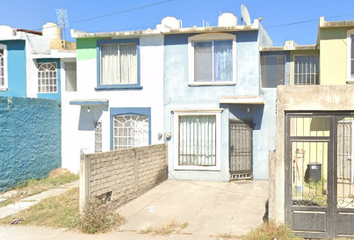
[319,184]
[240,150]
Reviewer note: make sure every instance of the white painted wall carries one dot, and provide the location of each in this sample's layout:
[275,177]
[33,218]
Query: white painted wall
[78,124]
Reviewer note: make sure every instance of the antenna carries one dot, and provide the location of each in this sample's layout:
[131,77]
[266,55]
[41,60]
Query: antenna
[63,20]
[245,15]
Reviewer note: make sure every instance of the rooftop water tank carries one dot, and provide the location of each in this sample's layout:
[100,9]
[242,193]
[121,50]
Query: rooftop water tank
[7,31]
[171,23]
[51,30]
[227,20]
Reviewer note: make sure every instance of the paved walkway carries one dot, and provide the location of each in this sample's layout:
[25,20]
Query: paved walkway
[209,208]
[32,200]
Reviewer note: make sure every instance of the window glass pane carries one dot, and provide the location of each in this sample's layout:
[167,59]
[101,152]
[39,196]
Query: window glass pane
[2,69]
[306,70]
[202,61]
[272,71]
[223,61]
[130,131]
[109,64]
[70,79]
[128,63]
[47,77]
[309,126]
[197,140]
[98,137]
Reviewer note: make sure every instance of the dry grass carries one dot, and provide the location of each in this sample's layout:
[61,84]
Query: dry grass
[227,236]
[31,187]
[171,227]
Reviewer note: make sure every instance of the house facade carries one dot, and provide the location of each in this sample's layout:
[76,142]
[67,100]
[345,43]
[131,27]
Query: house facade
[219,121]
[312,170]
[118,103]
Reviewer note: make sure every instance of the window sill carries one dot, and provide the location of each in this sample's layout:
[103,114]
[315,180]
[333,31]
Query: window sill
[118,87]
[3,89]
[197,168]
[196,84]
[350,81]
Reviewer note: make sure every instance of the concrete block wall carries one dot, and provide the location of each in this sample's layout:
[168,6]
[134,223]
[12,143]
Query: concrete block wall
[126,173]
[30,139]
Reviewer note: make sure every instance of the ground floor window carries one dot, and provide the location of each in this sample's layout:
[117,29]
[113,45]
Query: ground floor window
[130,131]
[98,137]
[197,139]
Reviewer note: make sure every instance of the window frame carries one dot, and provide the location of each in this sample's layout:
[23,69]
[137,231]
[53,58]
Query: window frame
[101,86]
[319,71]
[210,37]
[208,112]
[57,70]
[261,70]
[5,86]
[350,33]
[131,112]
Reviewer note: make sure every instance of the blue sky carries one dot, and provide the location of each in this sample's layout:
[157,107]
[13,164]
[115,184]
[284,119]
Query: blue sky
[33,14]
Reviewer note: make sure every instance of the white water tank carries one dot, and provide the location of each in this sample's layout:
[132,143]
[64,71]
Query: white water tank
[171,23]
[227,20]
[7,31]
[51,30]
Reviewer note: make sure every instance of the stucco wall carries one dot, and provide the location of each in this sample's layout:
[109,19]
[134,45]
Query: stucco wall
[300,98]
[30,139]
[16,68]
[333,59]
[126,173]
[179,95]
[78,124]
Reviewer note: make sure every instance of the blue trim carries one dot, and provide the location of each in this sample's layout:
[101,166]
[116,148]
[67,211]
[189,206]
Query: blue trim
[117,86]
[89,102]
[130,111]
[57,95]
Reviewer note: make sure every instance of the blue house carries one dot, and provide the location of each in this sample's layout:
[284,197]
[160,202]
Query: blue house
[219,122]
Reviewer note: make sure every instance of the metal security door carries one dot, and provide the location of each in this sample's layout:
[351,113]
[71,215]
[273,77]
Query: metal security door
[319,188]
[240,150]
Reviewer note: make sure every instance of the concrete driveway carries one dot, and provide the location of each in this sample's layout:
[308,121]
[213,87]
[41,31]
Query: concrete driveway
[209,208]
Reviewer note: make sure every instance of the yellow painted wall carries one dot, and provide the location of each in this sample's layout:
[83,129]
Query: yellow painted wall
[300,52]
[333,58]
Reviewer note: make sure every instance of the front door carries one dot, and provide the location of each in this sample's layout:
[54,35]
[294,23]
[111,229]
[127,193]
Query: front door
[240,150]
[319,200]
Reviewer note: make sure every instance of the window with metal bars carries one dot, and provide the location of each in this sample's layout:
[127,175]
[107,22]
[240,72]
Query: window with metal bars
[3,77]
[98,137]
[273,71]
[130,131]
[47,77]
[306,70]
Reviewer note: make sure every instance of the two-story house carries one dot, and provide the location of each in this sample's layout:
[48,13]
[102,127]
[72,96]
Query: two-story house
[220,123]
[33,65]
[312,173]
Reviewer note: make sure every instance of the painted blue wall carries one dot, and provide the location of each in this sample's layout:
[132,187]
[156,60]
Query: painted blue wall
[30,136]
[179,95]
[16,68]
[57,95]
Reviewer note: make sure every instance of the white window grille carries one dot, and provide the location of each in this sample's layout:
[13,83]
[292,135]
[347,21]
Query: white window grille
[197,140]
[3,67]
[273,71]
[98,137]
[130,131]
[306,70]
[119,64]
[47,77]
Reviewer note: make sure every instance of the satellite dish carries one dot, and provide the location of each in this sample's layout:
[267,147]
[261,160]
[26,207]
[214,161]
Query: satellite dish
[245,15]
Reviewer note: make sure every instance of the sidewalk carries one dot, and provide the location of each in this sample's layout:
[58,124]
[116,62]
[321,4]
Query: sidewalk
[32,200]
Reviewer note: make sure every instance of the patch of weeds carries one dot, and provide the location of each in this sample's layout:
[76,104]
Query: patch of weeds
[31,187]
[98,217]
[61,211]
[226,236]
[270,231]
[164,229]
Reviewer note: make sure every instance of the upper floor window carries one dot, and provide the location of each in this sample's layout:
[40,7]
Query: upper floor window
[306,70]
[212,59]
[118,65]
[3,67]
[47,77]
[350,55]
[272,70]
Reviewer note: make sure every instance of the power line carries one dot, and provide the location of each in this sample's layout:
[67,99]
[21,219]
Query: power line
[306,21]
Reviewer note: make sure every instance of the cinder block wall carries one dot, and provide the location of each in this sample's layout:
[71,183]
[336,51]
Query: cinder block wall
[126,173]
